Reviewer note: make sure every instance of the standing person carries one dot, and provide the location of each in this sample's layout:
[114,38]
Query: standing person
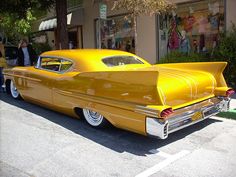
[71,46]
[2,65]
[26,54]
[2,50]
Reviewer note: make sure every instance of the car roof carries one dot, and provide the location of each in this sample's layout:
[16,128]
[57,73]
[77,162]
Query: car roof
[90,59]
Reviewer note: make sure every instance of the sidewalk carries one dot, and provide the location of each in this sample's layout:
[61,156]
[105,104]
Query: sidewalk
[233,102]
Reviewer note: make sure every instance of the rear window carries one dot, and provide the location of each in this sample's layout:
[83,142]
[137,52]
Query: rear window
[121,60]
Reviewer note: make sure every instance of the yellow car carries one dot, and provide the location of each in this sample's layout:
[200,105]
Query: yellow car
[123,89]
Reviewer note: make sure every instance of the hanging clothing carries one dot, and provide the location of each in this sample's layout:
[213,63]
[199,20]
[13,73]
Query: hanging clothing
[185,46]
[173,40]
[201,42]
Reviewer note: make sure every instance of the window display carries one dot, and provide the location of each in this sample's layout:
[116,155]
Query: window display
[194,27]
[116,33]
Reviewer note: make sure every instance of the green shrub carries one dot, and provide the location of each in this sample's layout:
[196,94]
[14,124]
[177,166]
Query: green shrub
[41,47]
[178,57]
[227,51]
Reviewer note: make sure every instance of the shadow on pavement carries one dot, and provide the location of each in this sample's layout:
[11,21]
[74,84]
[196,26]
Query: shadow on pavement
[110,137]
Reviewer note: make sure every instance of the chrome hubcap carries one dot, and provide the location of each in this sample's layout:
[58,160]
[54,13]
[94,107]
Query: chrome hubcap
[14,91]
[93,117]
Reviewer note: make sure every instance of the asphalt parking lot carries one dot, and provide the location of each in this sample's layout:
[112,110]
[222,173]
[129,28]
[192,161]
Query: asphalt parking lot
[37,142]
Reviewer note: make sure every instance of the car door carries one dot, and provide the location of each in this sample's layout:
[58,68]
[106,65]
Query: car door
[41,79]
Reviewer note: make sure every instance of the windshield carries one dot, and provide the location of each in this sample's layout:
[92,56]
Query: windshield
[121,60]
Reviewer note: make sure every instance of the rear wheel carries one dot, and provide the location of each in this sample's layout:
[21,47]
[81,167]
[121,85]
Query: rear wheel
[94,118]
[13,90]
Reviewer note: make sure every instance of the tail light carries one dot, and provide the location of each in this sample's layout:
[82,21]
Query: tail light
[166,112]
[230,92]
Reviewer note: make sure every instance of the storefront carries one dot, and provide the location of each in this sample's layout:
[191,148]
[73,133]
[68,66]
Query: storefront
[45,30]
[75,36]
[116,32]
[194,27]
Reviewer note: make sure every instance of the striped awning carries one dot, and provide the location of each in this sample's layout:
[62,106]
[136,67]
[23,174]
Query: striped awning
[52,23]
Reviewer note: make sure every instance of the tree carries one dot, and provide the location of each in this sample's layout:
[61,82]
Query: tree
[144,7]
[62,33]
[16,13]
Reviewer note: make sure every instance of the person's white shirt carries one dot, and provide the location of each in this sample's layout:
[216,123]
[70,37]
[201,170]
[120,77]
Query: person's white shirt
[26,56]
[71,45]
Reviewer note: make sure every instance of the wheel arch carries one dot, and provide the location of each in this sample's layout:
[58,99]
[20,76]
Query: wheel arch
[79,112]
[7,83]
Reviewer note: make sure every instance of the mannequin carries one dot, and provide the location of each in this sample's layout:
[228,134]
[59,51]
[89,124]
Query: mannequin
[184,43]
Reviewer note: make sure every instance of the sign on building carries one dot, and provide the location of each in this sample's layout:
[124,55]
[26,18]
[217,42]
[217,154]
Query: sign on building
[103,11]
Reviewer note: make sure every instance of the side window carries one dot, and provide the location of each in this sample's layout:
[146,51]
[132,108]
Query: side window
[50,64]
[55,64]
[65,65]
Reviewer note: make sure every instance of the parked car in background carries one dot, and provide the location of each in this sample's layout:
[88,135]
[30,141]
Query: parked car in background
[11,54]
[123,89]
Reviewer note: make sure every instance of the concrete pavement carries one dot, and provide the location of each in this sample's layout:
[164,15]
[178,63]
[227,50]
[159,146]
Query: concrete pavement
[37,142]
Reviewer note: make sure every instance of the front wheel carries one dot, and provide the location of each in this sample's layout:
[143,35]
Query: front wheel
[94,118]
[14,93]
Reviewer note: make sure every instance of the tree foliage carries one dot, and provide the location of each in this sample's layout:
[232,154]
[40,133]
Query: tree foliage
[144,7]
[16,26]
[16,17]
[20,8]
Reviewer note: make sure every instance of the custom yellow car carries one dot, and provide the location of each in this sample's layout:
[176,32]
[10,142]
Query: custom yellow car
[123,89]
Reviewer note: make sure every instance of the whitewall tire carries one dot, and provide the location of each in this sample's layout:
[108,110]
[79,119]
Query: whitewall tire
[14,93]
[94,118]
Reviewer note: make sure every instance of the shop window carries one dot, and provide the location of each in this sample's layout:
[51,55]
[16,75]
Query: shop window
[116,33]
[192,27]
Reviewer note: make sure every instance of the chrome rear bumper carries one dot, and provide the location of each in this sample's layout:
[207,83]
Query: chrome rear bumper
[186,116]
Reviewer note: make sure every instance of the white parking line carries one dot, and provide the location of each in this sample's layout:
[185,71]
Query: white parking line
[161,165]
[160,153]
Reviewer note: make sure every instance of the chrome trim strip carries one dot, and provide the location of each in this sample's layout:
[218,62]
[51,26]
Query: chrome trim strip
[144,107]
[196,107]
[148,112]
[23,77]
[192,123]
[100,100]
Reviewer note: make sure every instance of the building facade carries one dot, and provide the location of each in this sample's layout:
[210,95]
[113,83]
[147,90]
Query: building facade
[194,26]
